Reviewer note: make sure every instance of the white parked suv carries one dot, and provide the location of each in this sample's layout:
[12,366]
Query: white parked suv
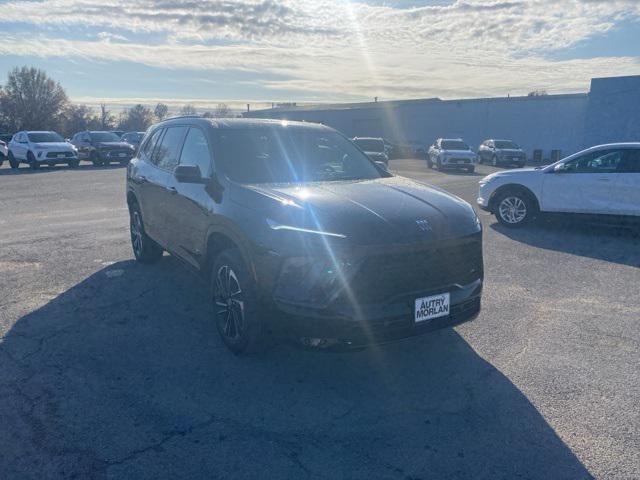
[37,148]
[451,153]
[602,180]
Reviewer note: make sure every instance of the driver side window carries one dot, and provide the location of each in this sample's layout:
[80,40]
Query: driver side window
[602,161]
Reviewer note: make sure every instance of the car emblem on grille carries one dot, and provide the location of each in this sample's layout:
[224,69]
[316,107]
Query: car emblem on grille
[424,225]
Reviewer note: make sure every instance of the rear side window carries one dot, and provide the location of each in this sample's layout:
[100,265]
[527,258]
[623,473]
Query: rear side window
[147,149]
[166,155]
[630,161]
[196,151]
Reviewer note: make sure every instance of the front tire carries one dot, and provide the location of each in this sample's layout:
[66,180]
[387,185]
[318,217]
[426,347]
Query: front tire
[494,161]
[514,209]
[429,163]
[74,164]
[234,296]
[13,162]
[33,163]
[144,248]
[95,159]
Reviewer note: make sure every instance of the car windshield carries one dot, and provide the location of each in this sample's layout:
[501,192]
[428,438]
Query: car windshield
[104,137]
[44,137]
[289,155]
[370,144]
[506,144]
[454,145]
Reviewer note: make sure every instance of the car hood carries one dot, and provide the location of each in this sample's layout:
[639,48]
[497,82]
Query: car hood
[375,154]
[368,212]
[513,174]
[54,145]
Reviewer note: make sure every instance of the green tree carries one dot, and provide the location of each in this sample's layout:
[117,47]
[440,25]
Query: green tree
[161,111]
[32,101]
[136,119]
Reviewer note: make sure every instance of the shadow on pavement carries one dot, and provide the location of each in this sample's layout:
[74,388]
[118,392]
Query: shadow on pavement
[568,235]
[124,376]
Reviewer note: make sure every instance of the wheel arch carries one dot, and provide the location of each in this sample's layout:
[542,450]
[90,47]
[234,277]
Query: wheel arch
[220,239]
[512,187]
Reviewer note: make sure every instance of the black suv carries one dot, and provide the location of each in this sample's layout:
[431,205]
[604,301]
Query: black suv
[301,235]
[102,148]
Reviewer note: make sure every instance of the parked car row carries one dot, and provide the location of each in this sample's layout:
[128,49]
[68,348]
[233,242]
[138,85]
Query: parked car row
[37,148]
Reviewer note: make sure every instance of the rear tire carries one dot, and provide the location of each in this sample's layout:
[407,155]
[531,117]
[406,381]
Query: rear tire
[13,162]
[144,248]
[74,164]
[515,208]
[235,302]
[471,169]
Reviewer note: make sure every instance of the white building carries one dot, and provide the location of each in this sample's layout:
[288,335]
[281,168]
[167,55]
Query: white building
[610,112]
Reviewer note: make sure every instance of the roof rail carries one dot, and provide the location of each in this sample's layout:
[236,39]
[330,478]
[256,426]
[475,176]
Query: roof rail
[182,116]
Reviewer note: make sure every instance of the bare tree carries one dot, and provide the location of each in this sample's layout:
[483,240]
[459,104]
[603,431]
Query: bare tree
[161,111]
[222,111]
[31,100]
[107,120]
[138,118]
[188,109]
[77,118]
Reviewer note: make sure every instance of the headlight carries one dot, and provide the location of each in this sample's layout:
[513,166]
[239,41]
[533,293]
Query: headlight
[486,180]
[277,226]
[315,281]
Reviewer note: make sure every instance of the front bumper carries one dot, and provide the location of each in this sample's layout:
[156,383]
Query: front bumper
[359,325]
[458,162]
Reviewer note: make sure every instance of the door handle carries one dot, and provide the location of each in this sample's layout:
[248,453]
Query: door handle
[171,190]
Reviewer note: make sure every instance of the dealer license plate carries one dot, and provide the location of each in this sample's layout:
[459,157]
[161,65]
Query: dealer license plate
[122,155]
[435,306]
[61,155]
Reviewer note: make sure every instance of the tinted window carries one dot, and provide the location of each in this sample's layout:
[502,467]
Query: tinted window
[104,137]
[602,161]
[453,145]
[166,154]
[150,143]
[289,155]
[196,151]
[630,161]
[506,144]
[44,137]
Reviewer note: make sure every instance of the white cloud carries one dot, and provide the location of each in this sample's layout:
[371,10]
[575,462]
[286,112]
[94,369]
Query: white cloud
[326,49]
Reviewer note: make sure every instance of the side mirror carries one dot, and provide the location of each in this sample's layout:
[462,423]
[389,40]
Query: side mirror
[561,168]
[188,174]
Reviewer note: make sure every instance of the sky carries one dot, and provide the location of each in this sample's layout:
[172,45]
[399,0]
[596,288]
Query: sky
[263,51]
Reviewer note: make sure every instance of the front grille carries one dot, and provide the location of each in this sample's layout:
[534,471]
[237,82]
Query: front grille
[116,153]
[383,277]
[57,154]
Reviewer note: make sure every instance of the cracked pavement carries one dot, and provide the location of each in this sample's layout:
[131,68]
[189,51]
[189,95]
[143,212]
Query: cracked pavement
[110,369]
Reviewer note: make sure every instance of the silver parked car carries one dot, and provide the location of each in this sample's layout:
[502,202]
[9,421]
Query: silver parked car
[451,153]
[501,152]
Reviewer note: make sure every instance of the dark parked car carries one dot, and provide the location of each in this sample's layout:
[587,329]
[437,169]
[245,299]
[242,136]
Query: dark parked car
[133,138]
[501,152]
[301,235]
[102,148]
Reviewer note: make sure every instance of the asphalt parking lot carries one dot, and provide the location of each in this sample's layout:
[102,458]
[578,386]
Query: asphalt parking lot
[110,369]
